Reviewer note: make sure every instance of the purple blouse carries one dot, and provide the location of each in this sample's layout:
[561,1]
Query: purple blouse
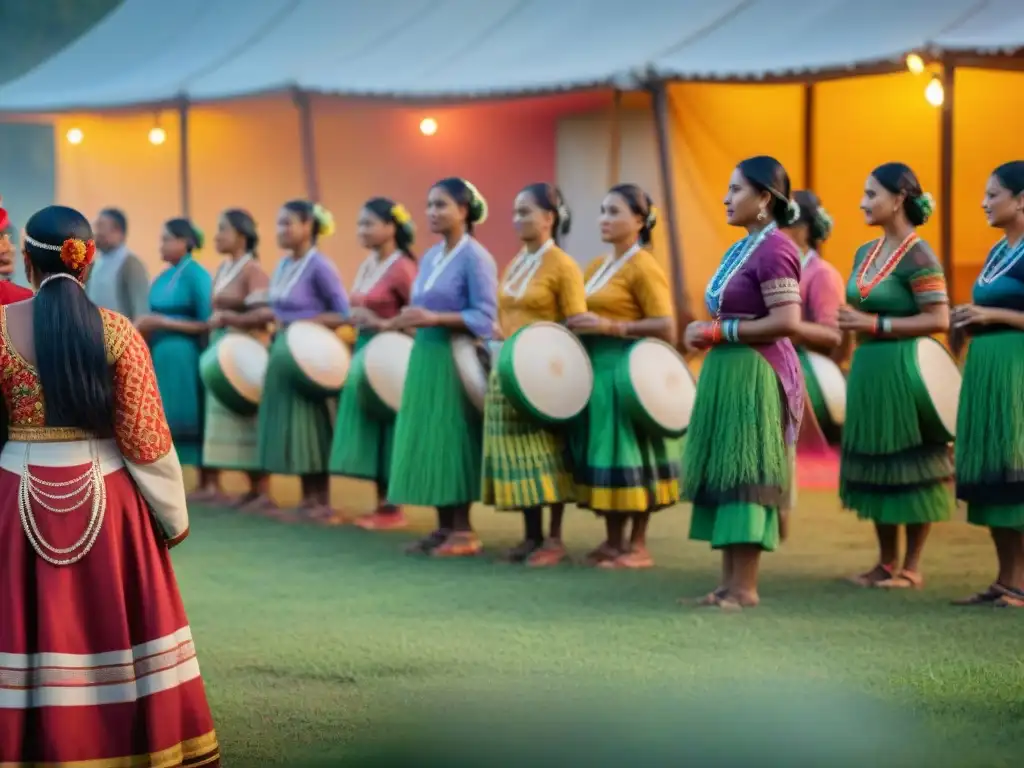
[771,278]
[306,287]
[466,282]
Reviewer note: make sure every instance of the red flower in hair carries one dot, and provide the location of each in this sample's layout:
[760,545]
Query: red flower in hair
[4,220]
[77,254]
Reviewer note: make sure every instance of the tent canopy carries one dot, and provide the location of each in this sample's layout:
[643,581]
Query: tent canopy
[155,53]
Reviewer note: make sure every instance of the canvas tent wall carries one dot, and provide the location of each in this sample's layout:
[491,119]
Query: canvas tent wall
[227,59]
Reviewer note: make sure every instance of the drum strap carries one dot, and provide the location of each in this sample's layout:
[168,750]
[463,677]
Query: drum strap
[603,275]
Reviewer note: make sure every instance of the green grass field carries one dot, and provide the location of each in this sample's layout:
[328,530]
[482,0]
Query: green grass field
[310,638]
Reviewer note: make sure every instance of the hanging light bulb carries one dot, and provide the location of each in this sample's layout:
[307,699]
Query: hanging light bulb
[75,136]
[157,136]
[934,93]
[915,63]
[428,126]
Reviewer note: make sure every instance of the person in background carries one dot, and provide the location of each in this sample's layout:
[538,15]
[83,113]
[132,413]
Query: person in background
[182,301]
[117,279]
[9,292]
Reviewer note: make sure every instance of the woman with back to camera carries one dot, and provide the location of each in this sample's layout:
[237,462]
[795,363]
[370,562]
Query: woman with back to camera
[524,463]
[737,469]
[91,499]
[621,473]
[9,291]
[363,440]
[822,293]
[180,304]
[990,420]
[239,289]
[891,473]
[437,451]
[294,431]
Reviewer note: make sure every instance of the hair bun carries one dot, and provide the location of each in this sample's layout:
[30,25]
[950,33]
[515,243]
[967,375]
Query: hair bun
[564,219]
[652,217]
[324,219]
[199,237]
[478,207]
[792,213]
[926,205]
[824,223]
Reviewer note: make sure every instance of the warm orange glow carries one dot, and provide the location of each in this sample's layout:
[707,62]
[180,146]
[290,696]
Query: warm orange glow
[428,126]
[75,136]
[157,136]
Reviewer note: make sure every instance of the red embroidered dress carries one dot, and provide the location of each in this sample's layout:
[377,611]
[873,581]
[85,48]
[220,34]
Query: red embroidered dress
[97,663]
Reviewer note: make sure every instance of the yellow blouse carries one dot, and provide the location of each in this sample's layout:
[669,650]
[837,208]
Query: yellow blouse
[639,290]
[553,292]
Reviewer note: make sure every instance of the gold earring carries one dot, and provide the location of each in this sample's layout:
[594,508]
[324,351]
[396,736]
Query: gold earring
[761,215]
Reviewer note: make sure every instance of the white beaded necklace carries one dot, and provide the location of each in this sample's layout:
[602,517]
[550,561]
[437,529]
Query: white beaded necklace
[372,270]
[287,275]
[608,269]
[443,260]
[522,269]
[1001,260]
[228,271]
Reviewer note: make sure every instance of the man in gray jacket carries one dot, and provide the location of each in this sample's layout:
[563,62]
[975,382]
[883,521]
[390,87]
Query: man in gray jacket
[118,279]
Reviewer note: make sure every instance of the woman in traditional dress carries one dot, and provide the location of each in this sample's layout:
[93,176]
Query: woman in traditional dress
[436,459]
[239,289]
[362,439]
[990,422]
[97,661]
[620,473]
[180,304]
[9,292]
[524,464]
[736,469]
[294,431]
[890,473]
[822,293]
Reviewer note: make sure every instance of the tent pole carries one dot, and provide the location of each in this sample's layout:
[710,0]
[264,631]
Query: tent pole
[308,148]
[184,178]
[946,174]
[660,98]
[809,136]
[615,140]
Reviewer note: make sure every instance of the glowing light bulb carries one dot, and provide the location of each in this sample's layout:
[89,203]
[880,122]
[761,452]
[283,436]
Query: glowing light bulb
[934,93]
[428,126]
[75,136]
[915,63]
[157,136]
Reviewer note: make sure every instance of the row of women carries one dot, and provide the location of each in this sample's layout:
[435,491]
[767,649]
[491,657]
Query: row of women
[736,466]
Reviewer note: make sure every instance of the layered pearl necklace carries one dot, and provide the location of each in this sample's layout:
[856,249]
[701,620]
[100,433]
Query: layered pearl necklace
[608,269]
[372,270]
[866,286]
[1001,260]
[287,275]
[443,260]
[734,259]
[522,269]
[88,485]
[228,271]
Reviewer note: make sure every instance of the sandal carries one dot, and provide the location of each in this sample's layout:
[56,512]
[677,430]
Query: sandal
[521,552]
[634,559]
[428,543]
[459,544]
[879,573]
[603,552]
[1011,598]
[551,554]
[903,580]
[987,597]
[383,521]
[709,600]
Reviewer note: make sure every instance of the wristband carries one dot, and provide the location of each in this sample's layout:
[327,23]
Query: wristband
[875,322]
[713,335]
[731,330]
[885,326]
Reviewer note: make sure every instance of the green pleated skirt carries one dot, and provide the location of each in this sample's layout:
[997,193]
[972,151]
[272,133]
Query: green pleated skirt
[889,472]
[362,440]
[736,467]
[524,463]
[176,364]
[294,432]
[230,441]
[438,440]
[617,468]
[990,431]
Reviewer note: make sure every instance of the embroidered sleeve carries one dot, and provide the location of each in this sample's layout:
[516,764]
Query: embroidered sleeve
[778,272]
[649,285]
[572,297]
[140,426]
[925,276]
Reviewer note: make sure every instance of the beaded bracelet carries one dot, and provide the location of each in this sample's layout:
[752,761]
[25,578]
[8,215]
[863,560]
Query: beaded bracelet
[731,330]
[875,322]
[716,332]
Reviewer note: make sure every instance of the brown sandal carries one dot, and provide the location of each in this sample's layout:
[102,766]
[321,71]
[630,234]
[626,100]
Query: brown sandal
[428,543]
[1011,598]
[711,599]
[459,544]
[879,573]
[602,553]
[551,554]
[903,580]
[635,559]
[521,552]
[987,597]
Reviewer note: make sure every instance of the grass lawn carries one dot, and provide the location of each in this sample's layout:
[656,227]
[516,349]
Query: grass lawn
[312,638]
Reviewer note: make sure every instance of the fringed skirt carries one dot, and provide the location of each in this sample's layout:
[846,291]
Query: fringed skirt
[889,472]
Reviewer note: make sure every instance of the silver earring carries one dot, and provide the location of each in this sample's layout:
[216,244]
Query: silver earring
[761,215]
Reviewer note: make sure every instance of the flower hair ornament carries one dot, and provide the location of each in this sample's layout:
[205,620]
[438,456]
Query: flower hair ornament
[325,219]
[652,217]
[76,254]
[199,237]
[403,219]
[5,220]
[478,203]
[793,212]
[925,204]
[824,220]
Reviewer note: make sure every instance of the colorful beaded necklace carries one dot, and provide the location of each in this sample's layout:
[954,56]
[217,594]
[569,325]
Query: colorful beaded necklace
[865,288]
[1000,261]
[734,258]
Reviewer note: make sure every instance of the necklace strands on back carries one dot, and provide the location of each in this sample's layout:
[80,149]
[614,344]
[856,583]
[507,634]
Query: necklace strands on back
[864,286]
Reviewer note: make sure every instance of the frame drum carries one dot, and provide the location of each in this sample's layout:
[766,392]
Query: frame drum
[233,371]
[936,380]
[319,358]
[545,372]
[656,388]
[826,389]
[385,364]
[472,361]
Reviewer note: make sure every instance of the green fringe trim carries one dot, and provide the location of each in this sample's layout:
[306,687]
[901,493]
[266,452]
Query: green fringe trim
[927,504]
[997,515]
[733,524]
[735,450]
